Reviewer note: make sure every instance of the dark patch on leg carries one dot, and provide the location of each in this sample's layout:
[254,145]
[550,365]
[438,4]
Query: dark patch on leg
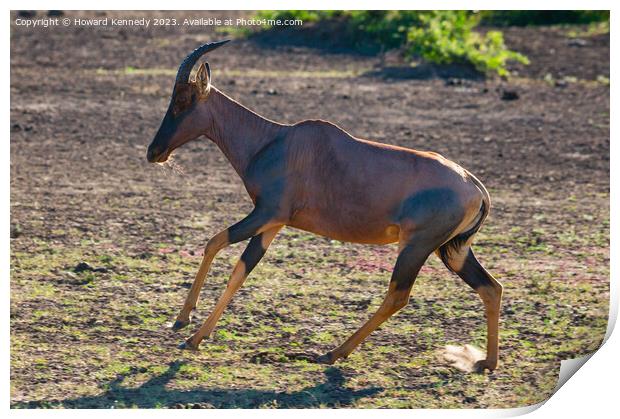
[444,254]
[248,227]
[473,273]
[253,253]
[178,325]
[408,265]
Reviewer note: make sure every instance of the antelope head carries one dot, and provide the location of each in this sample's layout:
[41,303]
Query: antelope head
[181,122]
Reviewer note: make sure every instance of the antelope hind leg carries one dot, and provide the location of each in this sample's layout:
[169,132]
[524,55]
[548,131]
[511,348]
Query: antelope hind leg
[408,264]
[464,263]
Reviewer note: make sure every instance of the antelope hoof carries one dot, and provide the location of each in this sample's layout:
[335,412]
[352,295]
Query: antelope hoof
[484,364]
[179,324]
[327,359]
[188,345]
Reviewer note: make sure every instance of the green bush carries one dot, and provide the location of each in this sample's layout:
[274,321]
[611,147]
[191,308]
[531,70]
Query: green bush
[442,37]
[446,37]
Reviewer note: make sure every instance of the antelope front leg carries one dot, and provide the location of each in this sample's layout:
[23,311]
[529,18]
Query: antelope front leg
[249,259]
[254,223]
[217,243]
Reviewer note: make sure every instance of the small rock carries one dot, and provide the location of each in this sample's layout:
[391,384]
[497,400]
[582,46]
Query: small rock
[85,266]
[509,95]
[577,42]
[453,81]
[272,92]
[82,266]
[16,231]
[19,127]
[363,304]
[561,83]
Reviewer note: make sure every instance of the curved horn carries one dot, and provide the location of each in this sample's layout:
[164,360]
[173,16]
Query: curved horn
[189,62]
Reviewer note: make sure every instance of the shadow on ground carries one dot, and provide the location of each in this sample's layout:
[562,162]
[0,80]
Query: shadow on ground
[329,37]
[320,36]
[154,394]
[425,71]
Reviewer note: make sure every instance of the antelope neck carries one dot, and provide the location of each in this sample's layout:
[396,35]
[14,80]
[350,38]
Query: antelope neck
[239,132]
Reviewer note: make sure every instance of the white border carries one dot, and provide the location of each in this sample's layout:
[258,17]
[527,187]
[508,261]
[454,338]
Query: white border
[593,390]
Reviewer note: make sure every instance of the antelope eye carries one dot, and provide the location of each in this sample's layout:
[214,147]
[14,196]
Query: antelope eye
[181,102]
[176,108]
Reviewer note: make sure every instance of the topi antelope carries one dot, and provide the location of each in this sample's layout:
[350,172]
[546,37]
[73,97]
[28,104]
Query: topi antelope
[316,177]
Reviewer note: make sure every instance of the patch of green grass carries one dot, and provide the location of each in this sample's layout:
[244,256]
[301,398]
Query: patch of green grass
[226,335]
[73,346]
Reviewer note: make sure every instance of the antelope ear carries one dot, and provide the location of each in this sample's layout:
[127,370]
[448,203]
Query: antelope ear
[203,78]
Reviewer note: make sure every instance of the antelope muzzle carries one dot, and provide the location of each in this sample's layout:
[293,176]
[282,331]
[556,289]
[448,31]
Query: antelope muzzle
[155,154]
[159,150]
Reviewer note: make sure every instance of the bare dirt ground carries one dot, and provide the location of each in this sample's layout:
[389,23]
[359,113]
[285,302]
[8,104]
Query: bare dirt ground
[85,103]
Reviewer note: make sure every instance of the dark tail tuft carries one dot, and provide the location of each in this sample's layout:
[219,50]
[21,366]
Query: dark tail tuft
[459,240]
